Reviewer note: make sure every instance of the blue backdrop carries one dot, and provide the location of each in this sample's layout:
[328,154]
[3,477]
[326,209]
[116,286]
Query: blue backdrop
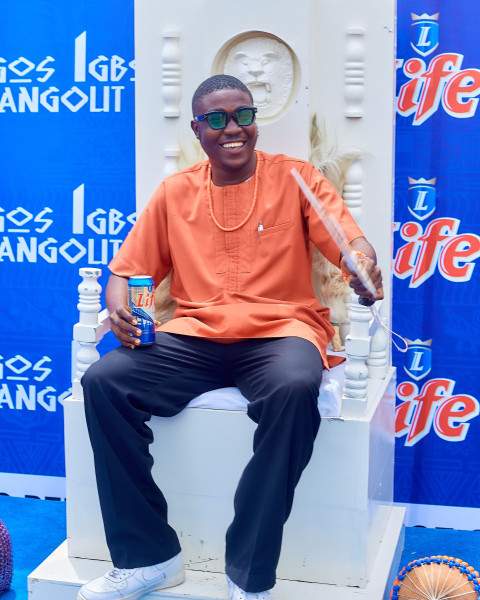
[67,200]
[436,249]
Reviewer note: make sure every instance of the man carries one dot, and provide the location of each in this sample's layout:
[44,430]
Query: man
[236,232]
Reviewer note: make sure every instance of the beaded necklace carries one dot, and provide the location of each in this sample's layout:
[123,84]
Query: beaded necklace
[210,200]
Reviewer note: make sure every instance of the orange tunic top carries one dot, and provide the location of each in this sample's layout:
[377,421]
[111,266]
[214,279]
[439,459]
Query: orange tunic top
[249,283]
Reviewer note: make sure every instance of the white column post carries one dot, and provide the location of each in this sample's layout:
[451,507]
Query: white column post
[357,347]
[377,361]
[85,331]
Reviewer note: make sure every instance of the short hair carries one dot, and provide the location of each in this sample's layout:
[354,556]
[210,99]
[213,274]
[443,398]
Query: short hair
[215,83]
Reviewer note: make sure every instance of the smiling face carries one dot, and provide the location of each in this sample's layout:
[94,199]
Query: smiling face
[231,150]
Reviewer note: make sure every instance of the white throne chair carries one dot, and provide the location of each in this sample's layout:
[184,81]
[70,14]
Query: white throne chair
[344,536]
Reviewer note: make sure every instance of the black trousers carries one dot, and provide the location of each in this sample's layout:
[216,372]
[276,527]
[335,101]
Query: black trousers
[280,377]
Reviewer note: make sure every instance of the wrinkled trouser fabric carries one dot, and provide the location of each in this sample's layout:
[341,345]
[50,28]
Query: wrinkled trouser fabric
[279,376]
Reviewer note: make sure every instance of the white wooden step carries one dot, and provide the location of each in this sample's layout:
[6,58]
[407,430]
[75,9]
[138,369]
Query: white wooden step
[60,577]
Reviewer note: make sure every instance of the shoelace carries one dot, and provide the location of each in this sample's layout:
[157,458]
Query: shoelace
[119,574]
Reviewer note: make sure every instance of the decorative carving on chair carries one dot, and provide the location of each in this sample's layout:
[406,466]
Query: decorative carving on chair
[357,346]
[171,161]
[353,190]
[171,74]
[266,65]
[171,95]
[377,361]
[354,72]
[85,331]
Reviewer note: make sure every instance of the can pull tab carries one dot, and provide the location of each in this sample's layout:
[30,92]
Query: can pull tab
[259,229]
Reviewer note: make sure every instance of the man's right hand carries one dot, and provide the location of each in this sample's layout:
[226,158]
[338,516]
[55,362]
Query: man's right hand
[124,324]
[124,327]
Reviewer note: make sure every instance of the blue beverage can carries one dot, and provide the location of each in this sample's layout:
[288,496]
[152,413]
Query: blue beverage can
[141,299]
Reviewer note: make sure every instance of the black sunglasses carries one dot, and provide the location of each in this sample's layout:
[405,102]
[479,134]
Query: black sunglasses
[218,119]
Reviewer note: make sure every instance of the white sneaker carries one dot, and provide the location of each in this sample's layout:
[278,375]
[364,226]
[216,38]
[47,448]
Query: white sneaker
[130,584]
[237,593]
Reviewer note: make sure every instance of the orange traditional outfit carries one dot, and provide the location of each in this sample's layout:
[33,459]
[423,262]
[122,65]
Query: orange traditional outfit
[253,281]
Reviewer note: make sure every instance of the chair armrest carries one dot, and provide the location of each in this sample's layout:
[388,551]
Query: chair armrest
[92,326]
[366,347]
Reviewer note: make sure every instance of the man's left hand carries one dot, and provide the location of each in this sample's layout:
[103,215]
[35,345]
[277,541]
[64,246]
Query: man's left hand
[373,271]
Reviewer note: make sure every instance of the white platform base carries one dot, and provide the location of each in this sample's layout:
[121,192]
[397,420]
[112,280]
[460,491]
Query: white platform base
[59,577]
[341,502]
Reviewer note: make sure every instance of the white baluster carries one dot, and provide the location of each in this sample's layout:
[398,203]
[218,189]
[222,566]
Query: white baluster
[377,361]
[171,94]
[357,347]
[170,166]
[354,72]
[85,331]
[345,326]
[353,190]
[171,74]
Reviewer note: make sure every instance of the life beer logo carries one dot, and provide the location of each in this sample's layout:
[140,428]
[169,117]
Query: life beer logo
[28,238]
[441,82]
[98,85]
[424,31]
[418,359]
[434,406]
[436,245]
[422,197]
[24,384]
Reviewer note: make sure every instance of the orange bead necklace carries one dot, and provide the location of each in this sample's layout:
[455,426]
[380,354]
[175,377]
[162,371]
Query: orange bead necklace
[252,207]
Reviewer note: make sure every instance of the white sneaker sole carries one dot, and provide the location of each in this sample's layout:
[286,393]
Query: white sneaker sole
[174,579]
